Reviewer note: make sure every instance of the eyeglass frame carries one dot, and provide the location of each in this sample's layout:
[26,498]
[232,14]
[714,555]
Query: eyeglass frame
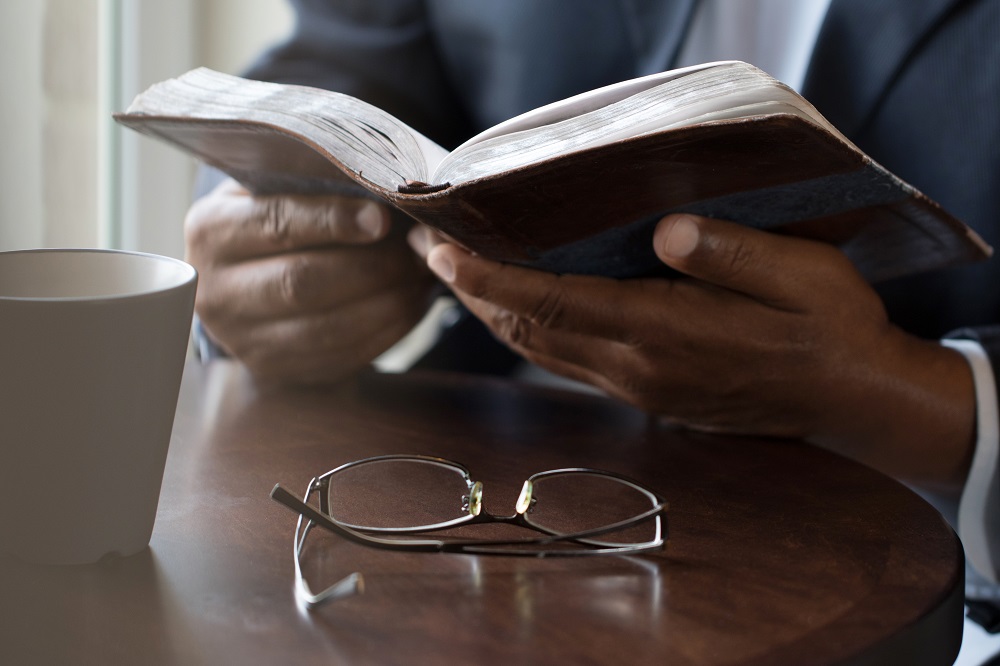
[309,517]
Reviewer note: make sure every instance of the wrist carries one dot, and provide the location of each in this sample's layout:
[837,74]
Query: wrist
[911,413]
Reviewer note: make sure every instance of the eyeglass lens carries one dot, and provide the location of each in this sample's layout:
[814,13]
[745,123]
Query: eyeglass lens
[408,493]
[397,494]
[579,501]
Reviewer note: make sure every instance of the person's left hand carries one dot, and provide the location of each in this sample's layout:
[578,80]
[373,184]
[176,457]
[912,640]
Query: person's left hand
[769,335]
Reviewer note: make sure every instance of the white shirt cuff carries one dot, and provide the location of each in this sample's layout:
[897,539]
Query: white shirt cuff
[402,355]
[979,508]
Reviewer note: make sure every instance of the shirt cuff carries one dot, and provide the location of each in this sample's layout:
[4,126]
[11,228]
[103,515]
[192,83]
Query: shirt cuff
[402,355]
[205,348]
[979,507]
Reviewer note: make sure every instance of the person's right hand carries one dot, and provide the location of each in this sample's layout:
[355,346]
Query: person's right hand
[302,289]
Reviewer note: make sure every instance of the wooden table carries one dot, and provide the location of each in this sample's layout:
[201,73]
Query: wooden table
[779,553]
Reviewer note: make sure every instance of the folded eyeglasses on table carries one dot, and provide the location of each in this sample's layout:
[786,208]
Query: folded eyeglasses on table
[388,502]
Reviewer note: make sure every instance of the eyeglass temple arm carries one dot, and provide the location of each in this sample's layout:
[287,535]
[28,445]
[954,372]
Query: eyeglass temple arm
[347,587]
[282,496]
[501,546]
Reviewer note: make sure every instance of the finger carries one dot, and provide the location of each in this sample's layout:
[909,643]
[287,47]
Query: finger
[780,271]
[326,346]
[308,281]
[530,310]
[573,302]
[668,380]
[609,365]
[233,224]
[580,356]
[423,239]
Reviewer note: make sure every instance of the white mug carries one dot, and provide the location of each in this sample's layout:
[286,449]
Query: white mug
[92,348]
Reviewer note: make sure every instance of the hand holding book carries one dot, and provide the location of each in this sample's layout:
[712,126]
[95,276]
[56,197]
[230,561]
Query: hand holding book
[769,335]
[774,335]
[303,290]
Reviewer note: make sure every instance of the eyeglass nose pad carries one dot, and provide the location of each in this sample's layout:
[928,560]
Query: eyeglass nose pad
[525,500]
[474,502]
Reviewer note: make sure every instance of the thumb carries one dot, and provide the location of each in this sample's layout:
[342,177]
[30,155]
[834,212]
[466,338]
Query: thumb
[765,266]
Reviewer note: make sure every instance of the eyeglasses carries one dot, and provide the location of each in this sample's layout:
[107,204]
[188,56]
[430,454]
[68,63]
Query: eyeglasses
[388,501]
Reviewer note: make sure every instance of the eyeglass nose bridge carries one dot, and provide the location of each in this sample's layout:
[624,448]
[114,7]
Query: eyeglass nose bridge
[473,502]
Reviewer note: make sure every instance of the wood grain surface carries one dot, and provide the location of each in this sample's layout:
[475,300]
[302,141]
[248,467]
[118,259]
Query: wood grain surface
[779,553]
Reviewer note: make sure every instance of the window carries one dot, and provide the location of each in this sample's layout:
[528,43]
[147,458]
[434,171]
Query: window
[70,177]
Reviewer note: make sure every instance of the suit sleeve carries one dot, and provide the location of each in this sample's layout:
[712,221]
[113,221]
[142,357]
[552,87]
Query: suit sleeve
[381,52]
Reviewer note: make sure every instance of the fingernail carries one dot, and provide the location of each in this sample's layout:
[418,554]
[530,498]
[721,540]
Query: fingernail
[441,265]
[682,239]
[417,238]
[370,220]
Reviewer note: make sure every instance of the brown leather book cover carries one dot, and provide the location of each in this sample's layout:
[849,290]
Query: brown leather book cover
[593,211]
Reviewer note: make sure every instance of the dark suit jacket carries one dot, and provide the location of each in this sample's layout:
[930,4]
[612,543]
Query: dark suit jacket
[915,83]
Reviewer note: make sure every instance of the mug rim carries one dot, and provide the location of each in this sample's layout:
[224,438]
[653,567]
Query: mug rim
[189,276]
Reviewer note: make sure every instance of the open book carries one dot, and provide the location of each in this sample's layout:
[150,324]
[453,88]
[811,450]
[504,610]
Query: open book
[576,186]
